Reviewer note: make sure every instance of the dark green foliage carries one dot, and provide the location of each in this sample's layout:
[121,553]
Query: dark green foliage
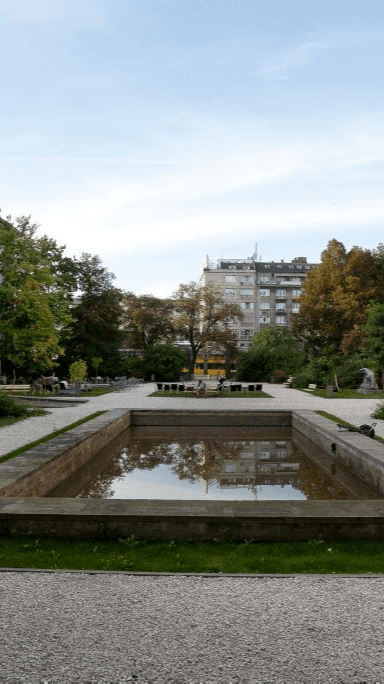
[10,407]
[165,361]
[255,365]
[95,331]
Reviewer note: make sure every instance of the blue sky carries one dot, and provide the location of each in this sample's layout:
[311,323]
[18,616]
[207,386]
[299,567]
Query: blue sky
[154,132]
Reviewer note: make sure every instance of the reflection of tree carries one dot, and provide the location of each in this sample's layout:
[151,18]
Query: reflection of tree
[189,460]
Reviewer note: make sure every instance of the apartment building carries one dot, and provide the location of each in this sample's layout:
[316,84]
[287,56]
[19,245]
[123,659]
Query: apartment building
[267,292]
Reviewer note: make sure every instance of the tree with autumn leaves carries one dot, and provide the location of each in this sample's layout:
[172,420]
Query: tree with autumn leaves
[203,320]
[336,298]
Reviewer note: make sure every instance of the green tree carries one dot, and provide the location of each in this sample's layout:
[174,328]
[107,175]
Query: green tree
[374,331]
[203,319]
[28,329]
[95,331]
[254,365]
[281,348]
[77,371]
[165,361]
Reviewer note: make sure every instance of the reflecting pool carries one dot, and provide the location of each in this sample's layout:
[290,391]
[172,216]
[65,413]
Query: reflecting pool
[212,464]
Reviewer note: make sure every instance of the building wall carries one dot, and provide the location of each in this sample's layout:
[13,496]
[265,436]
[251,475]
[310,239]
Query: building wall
[267,292]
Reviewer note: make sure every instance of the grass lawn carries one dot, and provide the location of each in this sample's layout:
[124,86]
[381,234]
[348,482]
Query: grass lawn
[220,395]
[344,394]
[46,438]
[150,556]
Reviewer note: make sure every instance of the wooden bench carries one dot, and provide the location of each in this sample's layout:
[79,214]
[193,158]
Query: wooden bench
[288,382]
[15,388]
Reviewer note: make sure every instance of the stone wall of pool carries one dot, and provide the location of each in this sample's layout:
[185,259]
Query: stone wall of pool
[26,478]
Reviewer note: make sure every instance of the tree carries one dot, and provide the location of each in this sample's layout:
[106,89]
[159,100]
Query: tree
[165,361]
[77,371]
[336,295]
[202,318]
[95,331]
[254,365]
[28,330]
[280,347]
[374,330]
[92,278]
[147,320]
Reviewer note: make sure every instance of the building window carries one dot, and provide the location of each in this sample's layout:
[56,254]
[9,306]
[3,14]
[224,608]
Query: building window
[296,293]
[264,292]
[280,320]
[246,292]
[281,293]
[265,278]
[281,454]
[246,333]
[246,279]
[230,279]
[264,455]
[280,306]
[230,468]
[229,292]
[265,305]
[246,306]
[295,307]
[265,319]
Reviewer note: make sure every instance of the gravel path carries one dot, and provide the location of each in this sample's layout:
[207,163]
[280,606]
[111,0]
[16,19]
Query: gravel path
[118,628]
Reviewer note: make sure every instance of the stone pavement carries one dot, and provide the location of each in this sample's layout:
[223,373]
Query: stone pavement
[356,411]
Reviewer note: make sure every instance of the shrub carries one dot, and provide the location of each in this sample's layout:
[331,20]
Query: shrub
[10,407]
[77,371]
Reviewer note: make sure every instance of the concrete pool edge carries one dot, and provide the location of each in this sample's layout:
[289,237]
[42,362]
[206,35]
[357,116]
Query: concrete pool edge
[199,520]
[38,470]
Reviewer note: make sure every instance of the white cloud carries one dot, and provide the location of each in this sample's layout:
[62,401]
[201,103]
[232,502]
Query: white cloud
[281,65]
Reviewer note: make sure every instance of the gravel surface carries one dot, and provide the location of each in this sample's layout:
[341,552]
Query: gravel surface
[117,628]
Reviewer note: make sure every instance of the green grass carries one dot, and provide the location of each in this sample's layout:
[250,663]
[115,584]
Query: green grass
[344,394]
[56,433]
[220,395]
[130,554]
[335,419]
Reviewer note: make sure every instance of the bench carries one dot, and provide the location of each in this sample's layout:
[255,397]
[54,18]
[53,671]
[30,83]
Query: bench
[15,388]
[310,388]
[288,382]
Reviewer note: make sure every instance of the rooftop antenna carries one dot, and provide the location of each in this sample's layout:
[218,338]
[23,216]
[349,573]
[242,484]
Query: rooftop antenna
[254,256]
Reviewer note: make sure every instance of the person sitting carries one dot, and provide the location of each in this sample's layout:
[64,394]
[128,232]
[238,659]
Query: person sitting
[201,390]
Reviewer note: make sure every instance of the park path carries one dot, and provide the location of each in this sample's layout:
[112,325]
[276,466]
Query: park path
[356,411]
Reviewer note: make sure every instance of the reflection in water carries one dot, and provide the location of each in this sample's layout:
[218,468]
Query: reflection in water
[173,464]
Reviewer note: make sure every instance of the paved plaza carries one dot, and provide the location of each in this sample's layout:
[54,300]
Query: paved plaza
[79,627]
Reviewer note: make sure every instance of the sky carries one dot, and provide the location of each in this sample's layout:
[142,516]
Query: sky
[156,132]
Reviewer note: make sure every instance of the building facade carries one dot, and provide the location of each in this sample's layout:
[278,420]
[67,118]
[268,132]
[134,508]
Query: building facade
[268,292]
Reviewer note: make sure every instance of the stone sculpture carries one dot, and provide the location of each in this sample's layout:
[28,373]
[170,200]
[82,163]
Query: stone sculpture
[369,382]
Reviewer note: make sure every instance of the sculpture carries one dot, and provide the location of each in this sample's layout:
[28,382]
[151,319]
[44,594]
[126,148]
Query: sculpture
[369,381]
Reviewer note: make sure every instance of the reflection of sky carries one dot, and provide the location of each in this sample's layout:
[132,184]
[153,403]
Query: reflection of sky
[162,483]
